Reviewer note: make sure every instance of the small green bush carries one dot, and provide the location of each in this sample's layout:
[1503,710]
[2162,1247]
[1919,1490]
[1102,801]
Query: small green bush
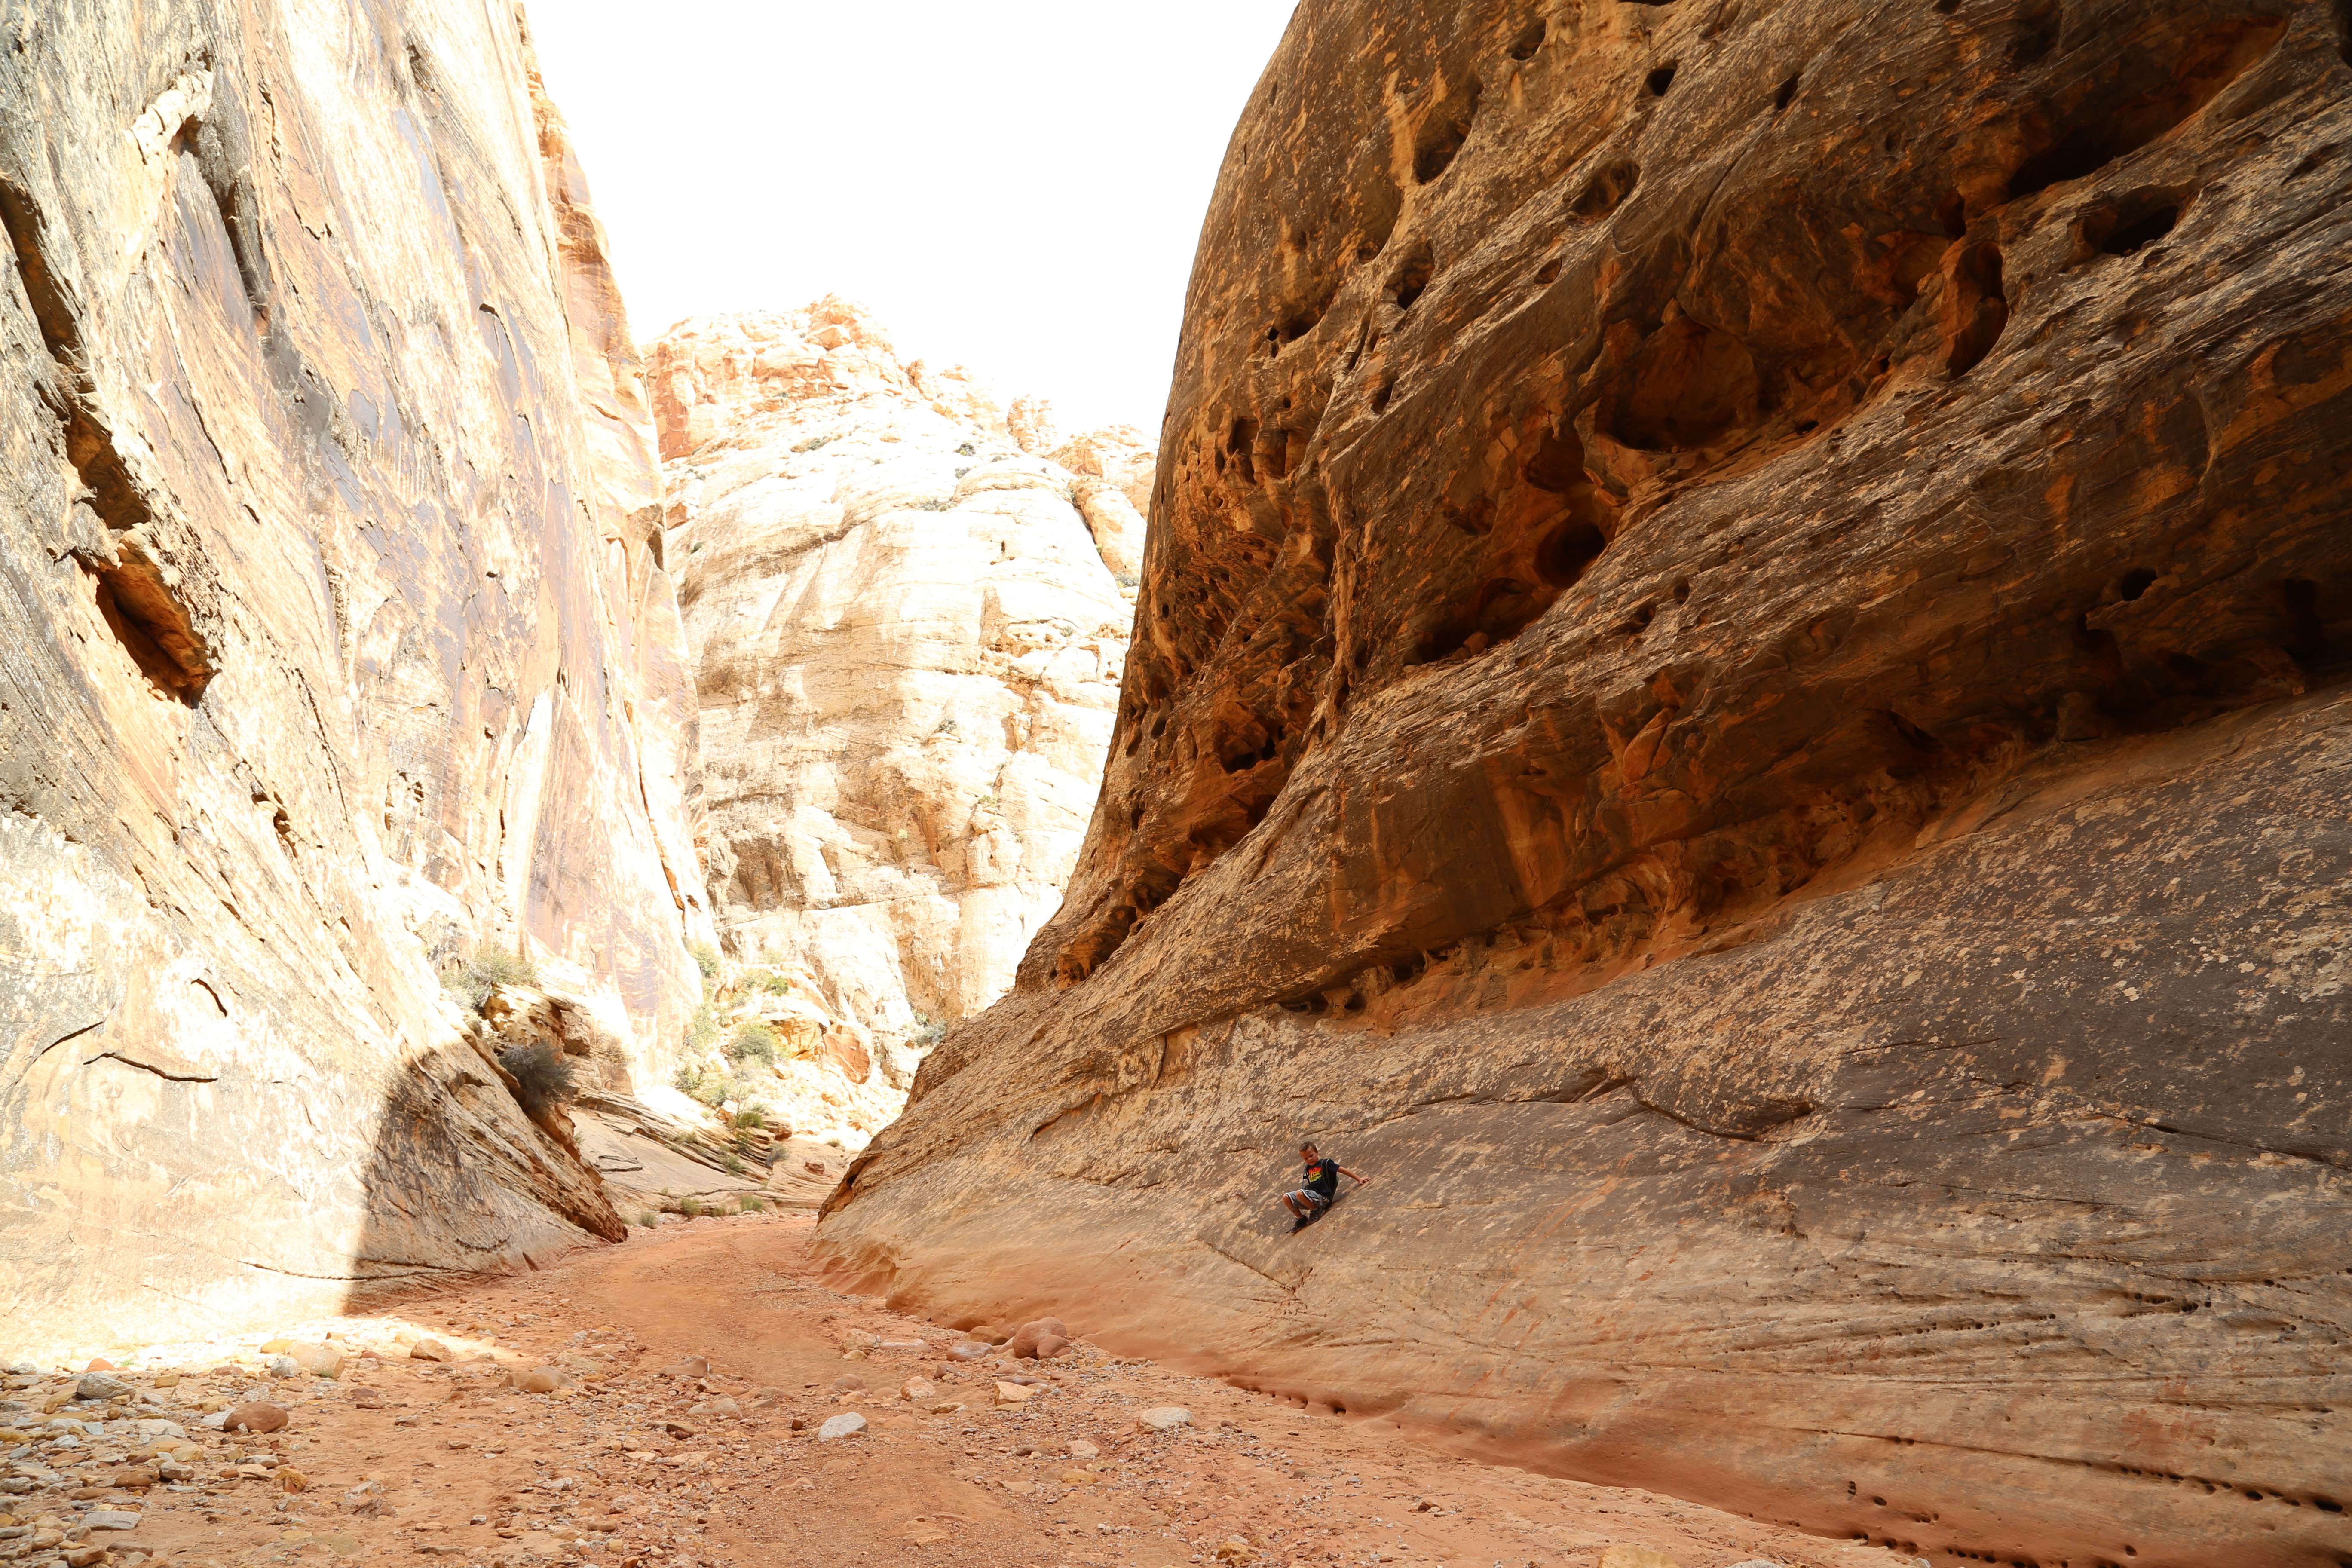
[928,1032]
[734,1163]
[835,1141]
[752,1115]
[1127,579]
[754,1041]
[937,503]
[706,958]
[811,444]
[967,451]
[689,1205]
[753,1203]
[484,972]
[544,1076]
[702,1028]
[702,1082]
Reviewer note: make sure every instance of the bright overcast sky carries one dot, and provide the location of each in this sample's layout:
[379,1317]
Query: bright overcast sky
[1016,186]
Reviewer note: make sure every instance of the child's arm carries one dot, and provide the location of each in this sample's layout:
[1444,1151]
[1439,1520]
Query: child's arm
[1359,1181]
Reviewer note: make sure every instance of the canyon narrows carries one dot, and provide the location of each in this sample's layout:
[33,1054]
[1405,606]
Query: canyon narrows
[1738,693]
[905,610]
[338,650]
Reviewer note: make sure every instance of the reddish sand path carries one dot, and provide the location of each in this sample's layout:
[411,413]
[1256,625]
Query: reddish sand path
[632,1467]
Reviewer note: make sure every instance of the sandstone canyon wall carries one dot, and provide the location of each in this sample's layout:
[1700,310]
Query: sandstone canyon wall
[1738,693]
[907,625]
[334,644]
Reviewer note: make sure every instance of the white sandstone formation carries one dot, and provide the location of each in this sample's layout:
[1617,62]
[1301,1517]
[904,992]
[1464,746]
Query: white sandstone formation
[908,631]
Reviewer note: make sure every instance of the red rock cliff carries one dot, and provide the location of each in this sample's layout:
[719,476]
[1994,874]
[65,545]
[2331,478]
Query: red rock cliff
[1739,693]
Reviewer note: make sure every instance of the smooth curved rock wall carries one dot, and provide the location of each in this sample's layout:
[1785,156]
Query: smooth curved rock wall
[1738,692]
[333,641]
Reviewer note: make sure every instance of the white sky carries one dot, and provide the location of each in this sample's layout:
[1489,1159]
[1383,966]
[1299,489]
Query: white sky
[1017,185]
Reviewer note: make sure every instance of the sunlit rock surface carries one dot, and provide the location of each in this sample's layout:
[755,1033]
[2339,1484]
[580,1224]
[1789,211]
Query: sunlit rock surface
[1739,694]
[334,644]
[907,633]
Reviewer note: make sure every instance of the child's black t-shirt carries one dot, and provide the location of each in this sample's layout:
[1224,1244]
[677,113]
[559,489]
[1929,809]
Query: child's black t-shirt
[1323,1177]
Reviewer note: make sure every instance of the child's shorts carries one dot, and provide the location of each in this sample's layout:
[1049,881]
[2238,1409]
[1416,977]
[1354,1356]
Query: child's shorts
[1312,1198]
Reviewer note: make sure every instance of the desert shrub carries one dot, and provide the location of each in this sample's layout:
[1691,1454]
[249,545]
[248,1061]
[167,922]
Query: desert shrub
[701,1081]
[1127,579]
[544,1076]
[835,1141]
[734,1163]
[484,972]
[755,1041]
[689,1205]
[706,958]
[754,1204]
[752,1115]
[701,1029]
[928,1032]
[966,450]
[811,444]
[937,503]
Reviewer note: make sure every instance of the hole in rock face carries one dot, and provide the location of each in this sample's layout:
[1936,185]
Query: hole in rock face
[1412,281]
[1952,214]
[1567,553]
[1241,442]
[1658,81]
[1606,191]
[2037,35]
[1559,461]
[1976,310]
[1689,385]
[2146,231]
[1380,396]
[2306,634]
[1786,95]
[1448,128]
[2099,134]
[2135,582]
[149,628]
[1529,40]
[1946,7]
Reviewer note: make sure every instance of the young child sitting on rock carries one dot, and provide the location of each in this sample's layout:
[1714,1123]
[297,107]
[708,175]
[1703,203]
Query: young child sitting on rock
[1322,1185]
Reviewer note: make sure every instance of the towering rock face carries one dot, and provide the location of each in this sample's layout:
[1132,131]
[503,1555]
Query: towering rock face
[907,633]
[334,643]
[1738,695]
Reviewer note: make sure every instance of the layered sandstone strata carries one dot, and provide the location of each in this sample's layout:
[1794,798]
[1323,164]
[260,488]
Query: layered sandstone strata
[906,627]
[337,647]
[1738,693]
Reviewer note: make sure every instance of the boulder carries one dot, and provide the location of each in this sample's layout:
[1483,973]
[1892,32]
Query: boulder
[254,1416]
[848,1424]
[1164,1418]
[1015,1393]
[1028,1338]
